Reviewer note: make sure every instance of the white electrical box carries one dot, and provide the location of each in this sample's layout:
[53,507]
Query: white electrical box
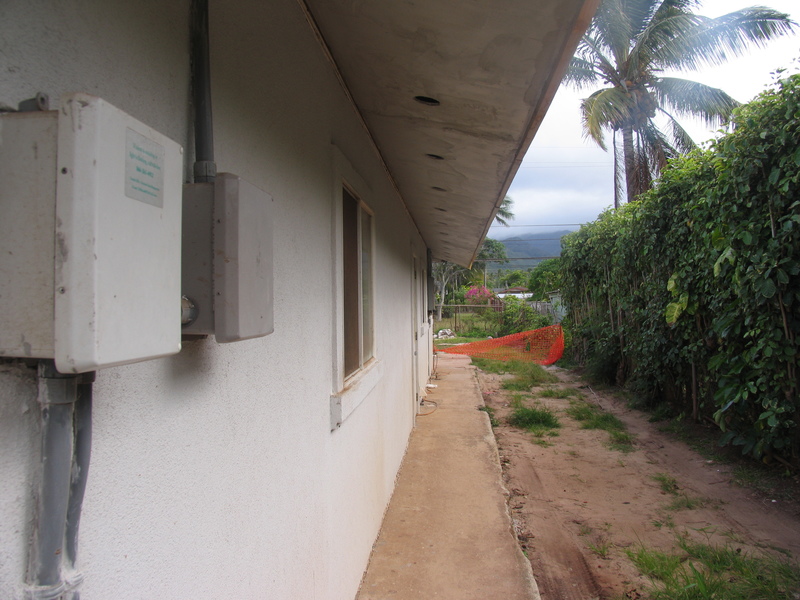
[242,260]
[228,258]
[104,267]
[27,226]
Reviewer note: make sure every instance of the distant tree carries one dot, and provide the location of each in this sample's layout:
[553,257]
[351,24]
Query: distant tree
[448,276]
[546,277]
[628,46]
[515,278]
[491,252]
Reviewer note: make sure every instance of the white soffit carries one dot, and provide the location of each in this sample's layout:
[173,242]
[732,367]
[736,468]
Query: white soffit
[493,66]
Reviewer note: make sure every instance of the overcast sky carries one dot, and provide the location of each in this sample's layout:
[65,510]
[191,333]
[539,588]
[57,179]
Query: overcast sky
[565,179]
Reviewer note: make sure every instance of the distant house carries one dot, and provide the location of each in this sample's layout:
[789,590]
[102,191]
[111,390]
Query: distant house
[516,292]
[384,136]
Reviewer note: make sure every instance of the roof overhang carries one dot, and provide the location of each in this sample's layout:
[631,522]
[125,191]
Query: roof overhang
[491,70]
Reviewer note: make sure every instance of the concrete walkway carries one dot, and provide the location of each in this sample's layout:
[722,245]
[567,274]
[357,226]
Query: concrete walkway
[447,533]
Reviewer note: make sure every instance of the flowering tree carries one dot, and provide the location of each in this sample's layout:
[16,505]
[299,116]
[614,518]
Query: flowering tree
[479,295]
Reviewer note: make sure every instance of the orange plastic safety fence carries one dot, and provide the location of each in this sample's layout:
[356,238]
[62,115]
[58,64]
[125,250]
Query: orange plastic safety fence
[544,346]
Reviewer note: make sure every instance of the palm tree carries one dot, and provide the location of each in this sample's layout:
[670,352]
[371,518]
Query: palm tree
[505,212]
[628,46]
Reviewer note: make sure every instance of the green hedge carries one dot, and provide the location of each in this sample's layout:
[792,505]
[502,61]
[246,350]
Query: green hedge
[691,295]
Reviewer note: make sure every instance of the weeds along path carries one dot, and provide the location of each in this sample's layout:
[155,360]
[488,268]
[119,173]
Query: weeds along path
[585,501]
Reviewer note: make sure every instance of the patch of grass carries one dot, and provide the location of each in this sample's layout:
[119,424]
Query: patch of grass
[665,520]
[686,502]
[559,393]
[448,342]
[742,575]
[591,417]
[654,564]
[490,411]
[526,374]
[516,385]
[721,572]
[621,441]
[491,366]
[668,483]
[584,530]
[600,547]
[539,417]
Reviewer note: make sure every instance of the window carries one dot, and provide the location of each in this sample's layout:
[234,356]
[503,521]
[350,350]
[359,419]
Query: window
[356,368]
[357,283]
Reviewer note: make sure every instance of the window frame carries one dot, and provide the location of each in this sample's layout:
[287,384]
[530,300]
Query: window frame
[348,390]
[359,348]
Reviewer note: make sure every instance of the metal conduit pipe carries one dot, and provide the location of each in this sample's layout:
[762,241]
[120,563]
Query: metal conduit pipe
[205,170]
[65,402]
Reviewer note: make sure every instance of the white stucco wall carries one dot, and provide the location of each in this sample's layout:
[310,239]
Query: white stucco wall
[215,473]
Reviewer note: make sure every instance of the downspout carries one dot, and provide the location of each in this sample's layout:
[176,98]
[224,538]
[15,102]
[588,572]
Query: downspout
[205,169]
[65,402]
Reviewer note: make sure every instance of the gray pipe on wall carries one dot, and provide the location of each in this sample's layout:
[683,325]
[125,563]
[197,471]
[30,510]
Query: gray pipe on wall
[65,402]
[205,169]
[79,472]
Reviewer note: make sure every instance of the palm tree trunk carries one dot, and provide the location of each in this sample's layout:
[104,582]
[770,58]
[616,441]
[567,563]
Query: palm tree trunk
[616,169]
[630,163]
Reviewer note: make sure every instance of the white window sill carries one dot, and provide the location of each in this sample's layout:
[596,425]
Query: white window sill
[356,389]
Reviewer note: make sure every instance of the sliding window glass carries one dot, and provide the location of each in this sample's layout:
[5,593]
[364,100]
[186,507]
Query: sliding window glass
[358,292]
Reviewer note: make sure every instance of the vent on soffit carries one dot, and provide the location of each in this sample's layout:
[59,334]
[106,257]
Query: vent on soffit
[427,100]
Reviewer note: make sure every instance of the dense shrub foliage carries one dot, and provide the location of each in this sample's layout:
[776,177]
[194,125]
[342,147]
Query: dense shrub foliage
[519,316]
[691,295]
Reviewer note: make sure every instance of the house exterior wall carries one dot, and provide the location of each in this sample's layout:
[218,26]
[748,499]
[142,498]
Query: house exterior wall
[215,472]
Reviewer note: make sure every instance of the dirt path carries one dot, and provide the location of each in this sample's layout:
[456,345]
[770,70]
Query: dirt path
[577,504]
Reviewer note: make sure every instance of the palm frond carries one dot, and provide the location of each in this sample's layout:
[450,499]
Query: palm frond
[581,73]
[593,51]
[714,41]
[604,109]
[505,213]
[681,140]
[612,28]
[642,14]
[667,6]
[665,40]
[690,98]
[655,147]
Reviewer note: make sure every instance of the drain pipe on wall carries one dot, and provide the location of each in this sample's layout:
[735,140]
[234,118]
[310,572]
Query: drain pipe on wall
[65,403]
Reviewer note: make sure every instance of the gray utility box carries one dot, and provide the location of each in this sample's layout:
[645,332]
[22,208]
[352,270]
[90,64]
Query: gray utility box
[227,258]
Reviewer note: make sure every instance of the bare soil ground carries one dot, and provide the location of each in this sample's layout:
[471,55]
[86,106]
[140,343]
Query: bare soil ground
[577,504]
